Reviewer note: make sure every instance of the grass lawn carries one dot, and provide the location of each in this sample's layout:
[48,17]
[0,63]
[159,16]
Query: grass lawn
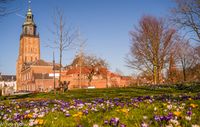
[153,106]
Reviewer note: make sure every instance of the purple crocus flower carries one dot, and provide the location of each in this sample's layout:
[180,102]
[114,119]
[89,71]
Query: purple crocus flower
[111,121]
[106,122]
[122,125]
[170,114]
[114,122]
[189,113]
[167,118]
[162,118]
[17,117]
[144,124]
[156,118]
[85,112]
[67,115]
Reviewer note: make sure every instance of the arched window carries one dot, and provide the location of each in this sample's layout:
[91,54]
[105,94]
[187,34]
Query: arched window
[30,30]
[25,30]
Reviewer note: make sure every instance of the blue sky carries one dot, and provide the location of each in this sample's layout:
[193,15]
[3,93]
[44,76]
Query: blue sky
[104,23]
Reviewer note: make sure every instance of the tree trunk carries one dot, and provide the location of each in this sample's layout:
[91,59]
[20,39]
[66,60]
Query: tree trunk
[155,74]
[158,75]
[61,48]
[89,83]
[184,74]
[60,66]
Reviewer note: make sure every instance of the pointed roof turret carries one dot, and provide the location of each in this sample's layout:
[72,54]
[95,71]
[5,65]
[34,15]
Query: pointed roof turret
[29,26]
[29,16]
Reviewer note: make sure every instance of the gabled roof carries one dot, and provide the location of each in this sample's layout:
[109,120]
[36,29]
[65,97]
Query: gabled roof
[76,70]
[114,75]
[127,78]
[85,70]
[40,63]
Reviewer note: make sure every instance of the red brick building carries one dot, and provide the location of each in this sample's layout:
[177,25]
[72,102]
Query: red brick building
[78,77]
[34,74]
[29,49]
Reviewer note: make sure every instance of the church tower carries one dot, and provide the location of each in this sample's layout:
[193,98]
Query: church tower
[29,49]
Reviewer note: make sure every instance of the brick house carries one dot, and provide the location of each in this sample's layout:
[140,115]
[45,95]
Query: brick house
[104,79]
[35,76]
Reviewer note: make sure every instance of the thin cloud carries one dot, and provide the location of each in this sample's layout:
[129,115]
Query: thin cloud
[19,15]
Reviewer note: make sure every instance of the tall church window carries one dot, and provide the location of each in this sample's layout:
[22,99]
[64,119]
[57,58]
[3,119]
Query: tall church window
[31,31]
[25,30]
[28,30]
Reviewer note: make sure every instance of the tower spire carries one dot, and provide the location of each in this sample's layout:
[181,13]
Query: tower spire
[29,27]
[29,4]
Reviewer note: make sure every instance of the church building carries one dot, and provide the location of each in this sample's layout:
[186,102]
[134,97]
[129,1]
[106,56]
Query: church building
[32,73]
[35,74]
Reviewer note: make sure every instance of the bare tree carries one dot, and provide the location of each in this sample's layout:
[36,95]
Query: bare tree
[194,73]
[93,64]
[187,57]
[152,43]
[173,73]
[64,36]
[81,46]
[198,52]
[186,15]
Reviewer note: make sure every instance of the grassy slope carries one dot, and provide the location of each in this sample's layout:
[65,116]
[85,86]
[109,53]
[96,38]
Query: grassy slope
[116,92]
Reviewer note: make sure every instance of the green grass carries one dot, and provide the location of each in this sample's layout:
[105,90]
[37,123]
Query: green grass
[114,92]
[132,114]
